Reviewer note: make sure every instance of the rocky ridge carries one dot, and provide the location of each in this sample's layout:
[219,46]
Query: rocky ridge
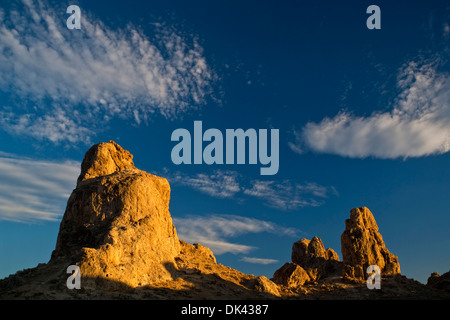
[118,230]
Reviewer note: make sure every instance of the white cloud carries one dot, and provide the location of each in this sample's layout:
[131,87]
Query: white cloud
[91,75]
[220,184]
[213,231]
[287,195]
[418,124]
[259,260]
[282,195]
[55,127]
[34,190]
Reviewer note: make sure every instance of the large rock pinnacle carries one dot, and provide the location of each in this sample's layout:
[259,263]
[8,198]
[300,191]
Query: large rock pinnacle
[362,245]
[117,223]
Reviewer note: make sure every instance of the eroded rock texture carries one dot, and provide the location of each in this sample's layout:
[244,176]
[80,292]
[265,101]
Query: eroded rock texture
[362,245]
[117,222]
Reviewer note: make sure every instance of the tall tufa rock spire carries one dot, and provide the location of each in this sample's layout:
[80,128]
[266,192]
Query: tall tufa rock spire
[117,222]
[362,245]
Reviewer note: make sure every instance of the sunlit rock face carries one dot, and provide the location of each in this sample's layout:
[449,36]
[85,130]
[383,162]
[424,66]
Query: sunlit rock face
[117,223]
[362,245]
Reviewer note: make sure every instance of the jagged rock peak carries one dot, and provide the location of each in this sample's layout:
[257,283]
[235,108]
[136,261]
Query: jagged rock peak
[310,262]
[306,252]
[103,159]
[439,282]
[361,218]
[362,245]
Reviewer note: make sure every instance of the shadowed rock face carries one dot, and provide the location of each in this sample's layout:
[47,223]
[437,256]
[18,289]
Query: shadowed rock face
[362,245]
[314,258]
[312,254]
[291,275]
[310,262]
[439,282]
[117,222]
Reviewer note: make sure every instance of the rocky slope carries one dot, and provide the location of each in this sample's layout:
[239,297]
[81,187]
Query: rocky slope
[118,230]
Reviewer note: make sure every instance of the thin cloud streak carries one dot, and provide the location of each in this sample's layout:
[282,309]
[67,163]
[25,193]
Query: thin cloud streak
[215,230]
[259,260]
[283,195]
[220,184]
[34,190]
[287,195]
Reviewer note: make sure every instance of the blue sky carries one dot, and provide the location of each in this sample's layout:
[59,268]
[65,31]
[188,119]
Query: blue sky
[363,116]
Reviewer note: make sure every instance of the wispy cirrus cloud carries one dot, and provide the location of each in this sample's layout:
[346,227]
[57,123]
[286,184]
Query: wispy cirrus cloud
[287,195]
[80,79]
[417,125]
[33,190]
[283,195]
[220,184]
[56,126]
[259,260]
[214,231]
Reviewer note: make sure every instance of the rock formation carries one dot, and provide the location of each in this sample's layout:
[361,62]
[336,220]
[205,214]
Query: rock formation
[362,245]
[117,228]
[441,282]
[310,262]
[312,256]
[104,159]
[262,284]
[291,275]
[117,222]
